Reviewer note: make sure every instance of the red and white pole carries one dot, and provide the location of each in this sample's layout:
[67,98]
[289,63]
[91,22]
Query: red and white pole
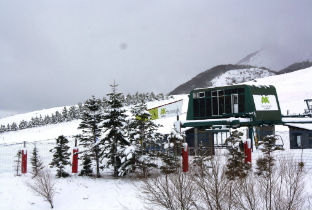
[75,160]
[247,151]
[24,159]
[185,157]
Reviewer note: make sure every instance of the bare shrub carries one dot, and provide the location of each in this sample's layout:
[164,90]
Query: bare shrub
[170,191]
[289,194]
[212,185]
[245,194]
[283,189]
[43,186]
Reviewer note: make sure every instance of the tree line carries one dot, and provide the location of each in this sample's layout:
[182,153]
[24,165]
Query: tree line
[74,112]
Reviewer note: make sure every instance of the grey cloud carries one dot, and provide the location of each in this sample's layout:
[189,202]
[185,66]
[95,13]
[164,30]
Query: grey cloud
[57,53]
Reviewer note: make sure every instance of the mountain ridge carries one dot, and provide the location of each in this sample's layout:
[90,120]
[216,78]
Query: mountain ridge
[205,78]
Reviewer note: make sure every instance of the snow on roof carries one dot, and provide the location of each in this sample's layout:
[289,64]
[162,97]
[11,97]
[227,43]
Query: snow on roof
[303,126]
[231,119]
[296,119]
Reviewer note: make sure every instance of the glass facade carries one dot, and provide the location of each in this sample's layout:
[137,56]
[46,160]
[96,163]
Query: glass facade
[218,103]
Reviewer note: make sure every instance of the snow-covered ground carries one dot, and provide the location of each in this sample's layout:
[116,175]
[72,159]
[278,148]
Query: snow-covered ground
[74,193]
[109,193]
[239,76]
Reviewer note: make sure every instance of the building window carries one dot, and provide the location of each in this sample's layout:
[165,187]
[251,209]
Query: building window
[215,103]
[234,103]
[227,104]
[201,94]
[208,107]
[196,107]
[299,141]
[310,140]
[202,107]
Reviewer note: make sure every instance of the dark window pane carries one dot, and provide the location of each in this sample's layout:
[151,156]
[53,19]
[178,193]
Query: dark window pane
[202,107]
[201,94]
[221,105]
[196,107]
[221,93]
[214,93]
[208,94]
[228,92]
[208,107]
[215,106]
[227,104]
[241,103]
[240,90]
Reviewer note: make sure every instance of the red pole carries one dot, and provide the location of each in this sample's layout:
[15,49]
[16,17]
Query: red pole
[75,160]
[24,161]
[247,151]
[185,157]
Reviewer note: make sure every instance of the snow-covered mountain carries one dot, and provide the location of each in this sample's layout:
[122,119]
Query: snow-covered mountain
[239,76]
[223,75]
[273,58]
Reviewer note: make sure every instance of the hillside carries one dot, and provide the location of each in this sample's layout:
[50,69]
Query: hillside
[222,75]
[296,67]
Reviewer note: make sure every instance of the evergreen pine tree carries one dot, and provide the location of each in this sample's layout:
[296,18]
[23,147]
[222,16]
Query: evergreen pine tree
[14,126]
[65,114]
[91,118]
[144,138]
[236,166]
[171,157]
[265,164]
[73,113]
[61,156]
[36,163]
[80,110]
[58,117]
[113,124]
[46,120]
[18,162]
[53,119]
[86,166]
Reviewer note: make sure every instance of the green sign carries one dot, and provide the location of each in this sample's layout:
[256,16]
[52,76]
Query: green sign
[265,100]
[154,113]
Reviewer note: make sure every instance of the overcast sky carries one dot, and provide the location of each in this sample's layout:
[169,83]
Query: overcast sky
[60,52]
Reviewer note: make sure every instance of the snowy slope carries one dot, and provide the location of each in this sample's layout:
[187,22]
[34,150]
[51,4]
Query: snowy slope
[27,116]
[239,76]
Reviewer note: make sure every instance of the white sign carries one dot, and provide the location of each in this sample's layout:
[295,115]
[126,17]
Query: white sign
[265,102]
[169,110]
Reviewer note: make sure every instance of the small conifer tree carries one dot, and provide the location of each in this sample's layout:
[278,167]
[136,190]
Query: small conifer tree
[91,118]
[143,137]
[114,124]
[61,156]
[236,166]
[18,163]
[86,166]
[171,157]
[36,163]
[265,166]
